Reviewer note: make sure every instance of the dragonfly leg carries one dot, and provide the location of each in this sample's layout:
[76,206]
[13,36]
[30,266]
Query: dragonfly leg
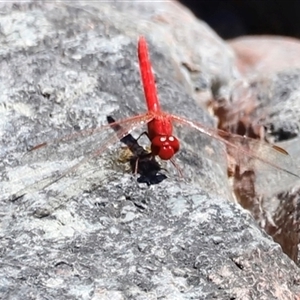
[180,173]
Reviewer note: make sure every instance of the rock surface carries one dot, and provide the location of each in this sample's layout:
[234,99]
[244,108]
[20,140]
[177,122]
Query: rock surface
[97,233]
[268,94]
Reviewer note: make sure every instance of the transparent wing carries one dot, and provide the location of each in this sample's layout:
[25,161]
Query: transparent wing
[274,168]
[93,131]
[80,147]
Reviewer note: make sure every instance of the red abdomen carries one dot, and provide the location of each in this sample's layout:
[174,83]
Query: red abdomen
[147,76]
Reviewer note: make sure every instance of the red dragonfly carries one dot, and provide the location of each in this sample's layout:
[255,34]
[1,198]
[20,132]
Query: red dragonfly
[160,132]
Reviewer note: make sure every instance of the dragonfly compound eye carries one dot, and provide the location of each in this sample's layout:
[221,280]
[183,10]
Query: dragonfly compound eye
[164,146]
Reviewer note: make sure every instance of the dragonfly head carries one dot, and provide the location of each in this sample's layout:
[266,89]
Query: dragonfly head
[164,146]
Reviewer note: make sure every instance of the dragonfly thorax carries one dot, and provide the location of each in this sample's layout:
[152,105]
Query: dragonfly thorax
[164,146]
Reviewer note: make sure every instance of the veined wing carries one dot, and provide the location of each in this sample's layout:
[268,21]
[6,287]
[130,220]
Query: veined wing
[274,168]
[91,131]
[102,139]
